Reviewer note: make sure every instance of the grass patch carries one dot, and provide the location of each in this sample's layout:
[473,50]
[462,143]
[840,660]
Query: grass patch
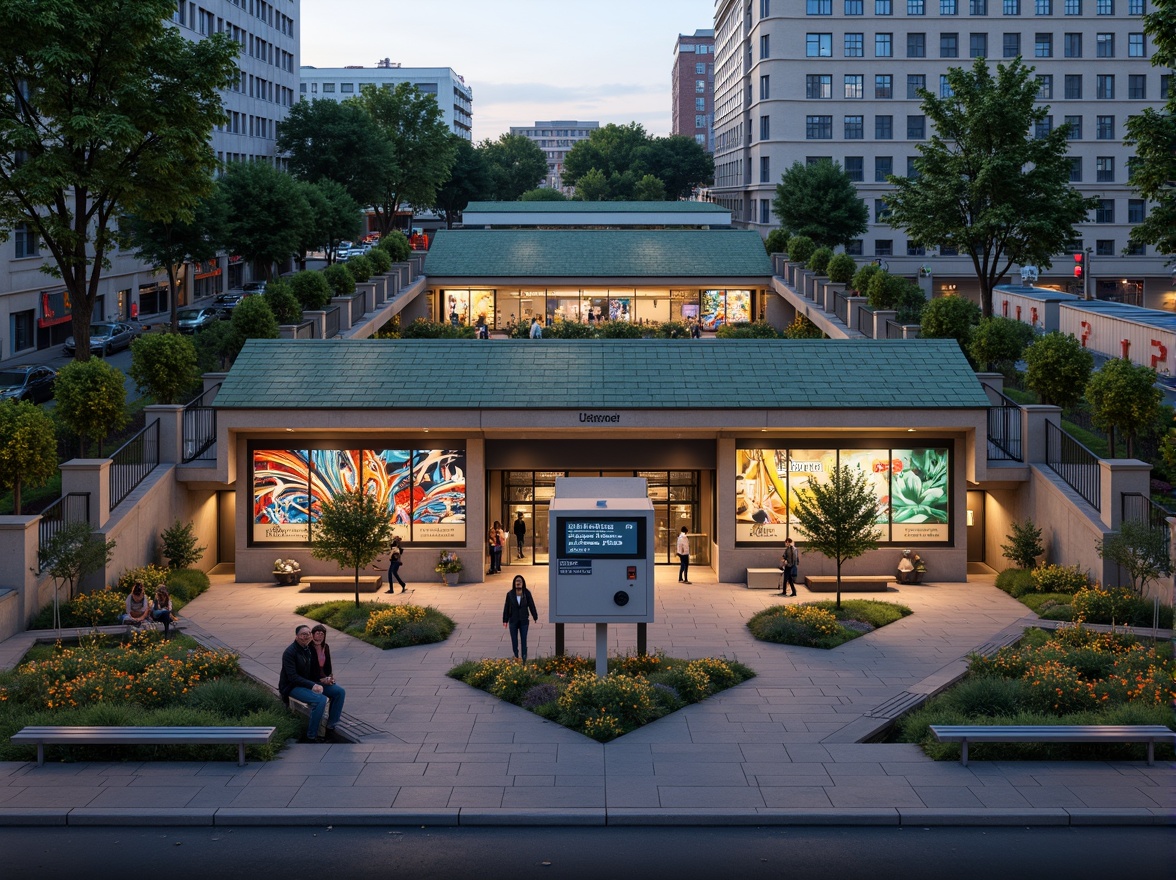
[385,626]
[1072,676]
[136,682]
[639,688]
[821,624]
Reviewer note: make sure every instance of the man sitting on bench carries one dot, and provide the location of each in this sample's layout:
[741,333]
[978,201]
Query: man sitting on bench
[300,672]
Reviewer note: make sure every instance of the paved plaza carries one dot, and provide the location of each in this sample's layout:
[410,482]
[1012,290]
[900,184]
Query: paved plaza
[782,748]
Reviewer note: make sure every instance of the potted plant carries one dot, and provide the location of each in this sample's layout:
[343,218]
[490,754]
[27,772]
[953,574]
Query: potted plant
[287,572]
[448,566]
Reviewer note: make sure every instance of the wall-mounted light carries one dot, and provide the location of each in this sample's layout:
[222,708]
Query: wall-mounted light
[971,519]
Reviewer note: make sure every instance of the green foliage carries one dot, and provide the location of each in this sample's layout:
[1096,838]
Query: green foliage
[177,544]
[280,297]
[164,366]
[592,186]
[256,194]
[800,248]
[28,447]
[1117,606]
[841,268]
[617,330]
[334,217]
[361,267]
[91,399]
[885,291]
[610,163]
[514,165]
[385,626]
[151,576]
[671,330]
[99,608]
[950,317]
[998,343]
[862,277]
[217,346]
[569,330]
[1141,550]
[396,245]
[777,241]
[73,552]
[821,202]
[352,530]
[341,280]
[1123,397]
[837,517]
[1059,578]
[422,329]
[1057,368]
[253,318]
[231,697]
[649,189]
[802,328]
[543,194]
[380,259]
[1017,582]
[985,183]
[469,180]
[312,290]
[186,584]
[823,624]
[1024,544]
[818,260]
[754,330]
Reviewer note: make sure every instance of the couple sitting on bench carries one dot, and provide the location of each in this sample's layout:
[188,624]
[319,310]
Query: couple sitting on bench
[142,611]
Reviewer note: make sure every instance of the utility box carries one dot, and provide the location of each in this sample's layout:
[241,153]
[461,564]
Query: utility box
[601,559]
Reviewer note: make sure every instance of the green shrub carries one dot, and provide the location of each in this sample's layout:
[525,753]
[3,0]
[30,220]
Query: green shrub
[985,697]
[802,328]
[395,243]
[568,330]
[186,584]
[381,261]
[152,576]
[385,626]
[1024,544]
[1015,581]
[818,260]
[1118,605]
[819,624]
[671,330]
[513,684]
[861,278]
[340,278]
[231,697]
[361,267]
[312,290]
[279,295]
[99,608]
[800,248]
[617,330]
[777,242]
[422,329]
[1059,579]
[588,701]
[753,330]
[841,268]
[177,544]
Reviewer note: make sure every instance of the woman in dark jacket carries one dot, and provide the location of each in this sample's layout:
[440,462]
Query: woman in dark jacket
[517,614]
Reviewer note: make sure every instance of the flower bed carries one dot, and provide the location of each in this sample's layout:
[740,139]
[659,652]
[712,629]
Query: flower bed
[823,624]
[103,607]
[1071,676]
[638,689]
[385,626]
[142,681]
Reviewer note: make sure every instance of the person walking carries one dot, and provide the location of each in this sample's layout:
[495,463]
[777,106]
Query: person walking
[683,550]
[300,679]
[536,329]
[396,553]
[517,614]
[520,533]
[789,561]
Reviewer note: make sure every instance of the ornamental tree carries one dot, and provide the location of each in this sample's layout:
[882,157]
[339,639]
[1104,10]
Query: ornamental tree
[1142,550]
[998,343]
[985,184]
[267,213]
[28,447]
[163,365]
[821,202]
[352,529]
[91,400]
[1123,396]
[74,551]
[1057,369]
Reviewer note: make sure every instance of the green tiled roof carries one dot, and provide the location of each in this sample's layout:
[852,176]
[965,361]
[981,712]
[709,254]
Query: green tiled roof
[575,207]
[598,253]
[600,374]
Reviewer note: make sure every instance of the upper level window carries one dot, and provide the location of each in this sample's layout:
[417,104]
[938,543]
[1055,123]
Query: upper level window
[1043,46]
[1073,7]
[1104,45]
[1012,45]
[854,86]
[1105,7]
[916,45]
[1043,7]
[883,7]
[916,7]
[978,7]
[949,7]
[1135,7]
[883,45]
[820,7]
[818,86]
[765,47]
[853,46]
[855,7]
[978,46]
[883,85]
[1012,7]
[1135,46]
[26,241]
[1072,45]
[949,45]
[819,46]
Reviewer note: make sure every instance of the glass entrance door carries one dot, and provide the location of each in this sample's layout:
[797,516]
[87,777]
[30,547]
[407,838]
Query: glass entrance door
[542,555]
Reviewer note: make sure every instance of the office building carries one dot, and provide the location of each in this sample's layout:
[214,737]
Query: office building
[839,79]
[693,88]
[454,97]
[556,138]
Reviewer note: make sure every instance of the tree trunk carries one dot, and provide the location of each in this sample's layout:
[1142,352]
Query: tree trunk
[175,309]
[1111,440]
[357,586]
[16,497]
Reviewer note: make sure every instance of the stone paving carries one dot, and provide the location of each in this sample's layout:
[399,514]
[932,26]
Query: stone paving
[781,748]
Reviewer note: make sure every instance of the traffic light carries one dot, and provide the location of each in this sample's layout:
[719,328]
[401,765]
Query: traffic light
[1079,266]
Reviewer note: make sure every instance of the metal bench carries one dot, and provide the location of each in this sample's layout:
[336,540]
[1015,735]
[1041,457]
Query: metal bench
[1076,733]
[61,735]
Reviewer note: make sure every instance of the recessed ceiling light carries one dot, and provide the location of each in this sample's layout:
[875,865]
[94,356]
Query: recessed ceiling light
[910,430]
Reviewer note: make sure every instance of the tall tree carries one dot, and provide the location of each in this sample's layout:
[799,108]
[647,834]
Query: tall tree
[649,189]
[985,184]
[619,152]
[469,180]
[352,530]
[1123,397]
[515,164]
[821,202]
[1057,368]
[335,217]
[422,152]
[267,214]
[592,186]
[163,365]
[339,141]
[28,447]
[107,111]
[681,163]
[91,400]
[1153,134]
[838,517]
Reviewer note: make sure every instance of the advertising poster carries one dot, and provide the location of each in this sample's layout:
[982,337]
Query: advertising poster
[618,309]
[919,496]
[281,495]
[482,306]
[738,306]
[714,309]
[761,510]
[806,467]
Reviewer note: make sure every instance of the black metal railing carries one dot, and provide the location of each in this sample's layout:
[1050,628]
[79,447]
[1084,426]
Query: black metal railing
[1137,507]
[864,316]
[841,307]
[133,462]
[332,323]
[893,330]
[1004,427]
[71,508]
[200,426]
[1074,463]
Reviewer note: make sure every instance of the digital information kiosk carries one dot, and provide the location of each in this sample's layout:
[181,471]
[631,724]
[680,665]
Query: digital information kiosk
[601,563]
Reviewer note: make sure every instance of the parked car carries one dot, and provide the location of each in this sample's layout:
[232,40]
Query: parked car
[191,320]
[33,382]
[226,302]
[253,287]
[106,337]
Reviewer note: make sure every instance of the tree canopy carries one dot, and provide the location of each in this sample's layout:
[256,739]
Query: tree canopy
[28,447]
[267,213]
[985,184]
[108,111]
[1123,397]
[1057,368]
[469,180]
[514,164]
[352,530]
[163,365]
[820,201]
[91,400]
[613,160]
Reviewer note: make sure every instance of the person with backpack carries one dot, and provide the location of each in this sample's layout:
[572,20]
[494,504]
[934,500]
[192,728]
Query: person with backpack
[396,552]
[788,565]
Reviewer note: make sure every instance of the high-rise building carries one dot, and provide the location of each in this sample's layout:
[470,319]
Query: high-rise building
[556,138]
[693,88]
[839,79]
[34,312]
[454,97]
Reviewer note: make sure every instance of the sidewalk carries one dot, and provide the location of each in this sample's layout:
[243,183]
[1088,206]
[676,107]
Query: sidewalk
[780,749]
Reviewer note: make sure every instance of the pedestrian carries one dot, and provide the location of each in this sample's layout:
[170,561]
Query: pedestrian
[520,533]
[519,604]
[789,560]
[591,316]
[695,330]
[161,610]
[138,606]
[299,679]
[455,318]
[481,330]
[496,540]
[395,554]
[536,329]
[683,549]
[322,655]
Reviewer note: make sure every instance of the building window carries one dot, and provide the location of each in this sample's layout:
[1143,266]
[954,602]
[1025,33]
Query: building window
[1075,169]
[1045,87]
[855,7]
[765,127]
[978,7]
[818,45]
[1136,210]
[765,211]
[883,247]
[854,128]
[818,127]
[854,87]
[1104,170]
[1137,87]
[1012,45]
[1073,7]
[916,45]
[1104,128]
[702,121]
[883,86]
[915,250]
[810,161]
[1072,45]
[1135,249]
[1105,87]
[1135,46]
[855,168]
[699,69]
[916,82]
[944,86]
[328,88]
[26,241]
[1043,127]
[1073,128]
[883,168]
[883,7]
[347,88]
[978,46]
[700,103]
[1104,46]
[854,248]
[1105,212]
[1074,86]
[1043,46]
[1165,86]
[1135,7]
[916,127]
[765,8]
[699,86]
[22,330]
[1104,247]
[949,7]
[818,85]
[765,47]
[1012,7]
[818,7]
[916,7]
[1105,7]
[1043,7]
[883,45]
[854,46]
[765,169]
[883,128]
[949,45]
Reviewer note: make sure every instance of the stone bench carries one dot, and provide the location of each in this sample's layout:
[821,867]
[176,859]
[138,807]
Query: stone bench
[76,736]
[824,583]
[1075,733]
[315,583]
[764,578]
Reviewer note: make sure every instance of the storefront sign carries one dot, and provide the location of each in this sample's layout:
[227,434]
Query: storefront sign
[55,308]
[600,418]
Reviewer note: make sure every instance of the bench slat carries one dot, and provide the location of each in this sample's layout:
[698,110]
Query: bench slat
[79,735]
[1078,733]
